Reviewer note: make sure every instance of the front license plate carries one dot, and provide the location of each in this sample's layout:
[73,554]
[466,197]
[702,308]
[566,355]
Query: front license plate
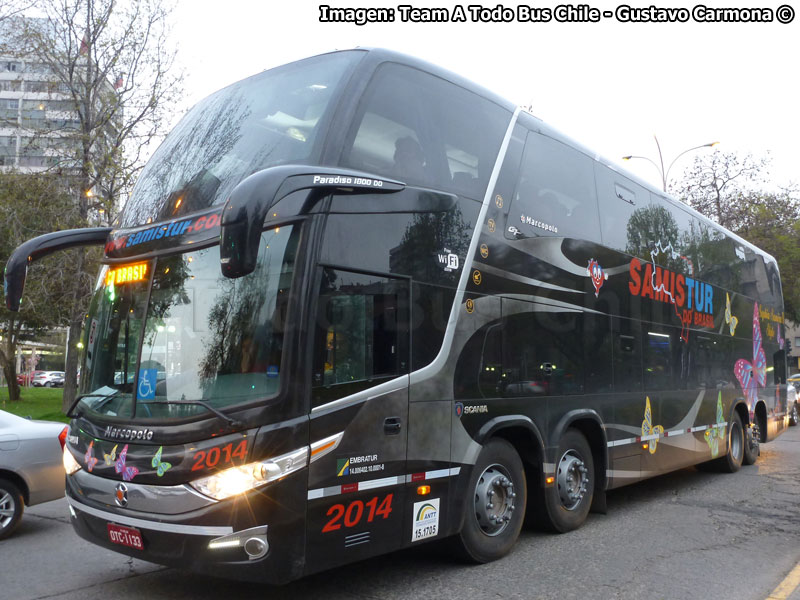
[125,536]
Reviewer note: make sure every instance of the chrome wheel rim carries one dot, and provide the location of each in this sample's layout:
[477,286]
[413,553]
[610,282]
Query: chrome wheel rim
[494,499]
[7,508]
[572,478]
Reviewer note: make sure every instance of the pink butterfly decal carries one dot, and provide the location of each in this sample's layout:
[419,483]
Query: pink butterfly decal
[91,461]
[128,473]
[752,375]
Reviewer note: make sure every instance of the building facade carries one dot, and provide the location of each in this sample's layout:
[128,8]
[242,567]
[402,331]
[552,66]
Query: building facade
[39,123]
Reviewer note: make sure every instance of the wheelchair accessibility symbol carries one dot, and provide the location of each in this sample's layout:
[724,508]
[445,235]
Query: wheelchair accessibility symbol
[147,383]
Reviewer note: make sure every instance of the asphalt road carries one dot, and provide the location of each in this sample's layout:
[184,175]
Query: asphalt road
[684,535]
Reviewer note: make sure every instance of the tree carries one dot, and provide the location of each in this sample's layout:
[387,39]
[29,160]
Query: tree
[114,64]
[24,198]
[734,192]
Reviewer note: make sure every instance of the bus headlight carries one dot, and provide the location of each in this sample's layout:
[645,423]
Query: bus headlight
[70,464]
[237,480]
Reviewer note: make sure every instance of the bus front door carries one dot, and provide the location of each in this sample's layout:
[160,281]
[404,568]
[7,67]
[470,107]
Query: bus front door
[359,418]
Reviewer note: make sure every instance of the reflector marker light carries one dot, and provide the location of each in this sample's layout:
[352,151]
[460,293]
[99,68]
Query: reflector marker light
[325,446]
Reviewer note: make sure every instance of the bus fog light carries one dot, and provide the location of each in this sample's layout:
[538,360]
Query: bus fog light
[256,547]
[253,541]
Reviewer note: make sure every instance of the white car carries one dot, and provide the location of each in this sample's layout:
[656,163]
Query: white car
[48,379]
[31,467]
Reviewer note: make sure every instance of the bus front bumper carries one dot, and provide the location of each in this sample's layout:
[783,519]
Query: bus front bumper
[220,539]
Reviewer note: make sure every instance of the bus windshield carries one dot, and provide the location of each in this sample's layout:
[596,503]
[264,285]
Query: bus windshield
[269,119]
[173,329]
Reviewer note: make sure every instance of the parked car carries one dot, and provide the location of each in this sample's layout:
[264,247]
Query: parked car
[26,378]
[31,467]
[48,378]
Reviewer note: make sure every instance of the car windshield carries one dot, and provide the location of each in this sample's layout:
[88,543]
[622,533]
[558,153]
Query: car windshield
[173,329]
[269,119]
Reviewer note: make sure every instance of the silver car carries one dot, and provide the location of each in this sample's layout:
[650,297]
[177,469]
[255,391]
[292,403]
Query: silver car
[31,467]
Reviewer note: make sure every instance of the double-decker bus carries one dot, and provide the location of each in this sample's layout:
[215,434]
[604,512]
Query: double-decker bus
[357,303]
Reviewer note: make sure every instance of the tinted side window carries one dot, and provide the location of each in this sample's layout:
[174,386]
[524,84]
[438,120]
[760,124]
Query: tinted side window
[555,194]
[621,199]
[543,351]
[426,131]
[361,336]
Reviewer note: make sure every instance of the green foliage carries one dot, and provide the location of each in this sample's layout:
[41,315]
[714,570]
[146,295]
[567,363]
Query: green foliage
[735,192]
[31,205]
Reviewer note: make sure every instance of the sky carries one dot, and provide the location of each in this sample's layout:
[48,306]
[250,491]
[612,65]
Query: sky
[610,85]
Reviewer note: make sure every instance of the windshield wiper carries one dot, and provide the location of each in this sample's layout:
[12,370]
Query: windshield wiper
[81,397]
[231,421]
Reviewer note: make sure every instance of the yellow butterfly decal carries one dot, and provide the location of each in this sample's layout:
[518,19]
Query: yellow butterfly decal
[112,456]
[716,432]
[649,429]
[730,318]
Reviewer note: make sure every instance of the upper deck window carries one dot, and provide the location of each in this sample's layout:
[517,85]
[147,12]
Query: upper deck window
[270,119]
[555,195]
[423,130]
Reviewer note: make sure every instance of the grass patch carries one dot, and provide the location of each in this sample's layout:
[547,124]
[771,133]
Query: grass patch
[37,403]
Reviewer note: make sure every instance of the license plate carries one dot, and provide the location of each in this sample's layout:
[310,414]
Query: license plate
[125,536]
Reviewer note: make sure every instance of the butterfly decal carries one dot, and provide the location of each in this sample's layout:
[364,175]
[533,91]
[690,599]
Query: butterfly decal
[91,461]
[649,429]
[752,375]
[716,432]
[730,318]
[110,457]
[161,467]
[128,473]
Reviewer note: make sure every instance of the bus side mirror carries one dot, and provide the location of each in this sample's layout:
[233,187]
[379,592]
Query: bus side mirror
[244,213]
[39,247]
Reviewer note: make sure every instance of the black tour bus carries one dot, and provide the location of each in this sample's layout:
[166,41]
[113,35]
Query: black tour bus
[356,303]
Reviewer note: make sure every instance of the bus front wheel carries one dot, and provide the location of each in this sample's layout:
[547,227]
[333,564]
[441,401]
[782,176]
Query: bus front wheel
[568,498]
[495,507]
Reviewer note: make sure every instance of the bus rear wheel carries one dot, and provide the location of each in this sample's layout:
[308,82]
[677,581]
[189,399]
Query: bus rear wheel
[732,461]
[751,444]
[568,500]
[495,505]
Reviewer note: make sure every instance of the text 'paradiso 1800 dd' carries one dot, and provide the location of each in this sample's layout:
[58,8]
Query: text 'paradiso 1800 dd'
[357,303]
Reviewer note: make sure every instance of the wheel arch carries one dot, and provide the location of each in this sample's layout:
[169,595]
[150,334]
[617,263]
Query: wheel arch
[18,481]
[523,434]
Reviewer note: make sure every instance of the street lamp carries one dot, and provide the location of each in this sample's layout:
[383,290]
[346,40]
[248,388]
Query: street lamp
[665,174]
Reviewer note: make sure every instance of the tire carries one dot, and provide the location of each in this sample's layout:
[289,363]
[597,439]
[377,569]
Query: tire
[11,507]
[794,418]
[495,504]
[566,503]
[732,461]
[751,447]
